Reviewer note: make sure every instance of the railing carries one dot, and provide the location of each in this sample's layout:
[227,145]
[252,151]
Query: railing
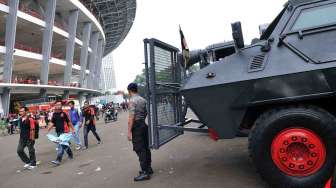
[35,50]
[33,81]
[27,48]
[4,2]
[22,47]
[76,62]
[53,82]
[58,55]
[31,12]
[60,25]
[74,84]
[2,41]
[37,82]
[35,14]
[25,81]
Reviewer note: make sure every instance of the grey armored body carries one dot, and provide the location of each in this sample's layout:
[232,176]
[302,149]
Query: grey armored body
[281,87]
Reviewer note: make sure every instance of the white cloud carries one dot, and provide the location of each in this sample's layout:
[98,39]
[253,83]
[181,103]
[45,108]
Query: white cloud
[203,23]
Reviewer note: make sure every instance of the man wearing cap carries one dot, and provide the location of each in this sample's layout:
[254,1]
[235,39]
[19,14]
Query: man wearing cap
[138,132]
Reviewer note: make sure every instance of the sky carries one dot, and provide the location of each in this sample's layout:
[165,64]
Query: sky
[203,23]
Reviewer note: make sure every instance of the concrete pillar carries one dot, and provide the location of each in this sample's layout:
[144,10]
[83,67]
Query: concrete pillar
[101,61]
[98,65]
[9,43]
[66,94]
[92,60]
[81,99]
[89,98]
[47,41]
[84,52]
[70,48]
[10,40]
[43,93]
[5,99]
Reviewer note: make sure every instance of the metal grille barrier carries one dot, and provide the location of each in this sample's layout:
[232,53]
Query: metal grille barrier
[163,83]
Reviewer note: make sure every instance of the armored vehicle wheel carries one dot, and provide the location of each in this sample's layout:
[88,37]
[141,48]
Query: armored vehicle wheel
[333,180]
[294,147]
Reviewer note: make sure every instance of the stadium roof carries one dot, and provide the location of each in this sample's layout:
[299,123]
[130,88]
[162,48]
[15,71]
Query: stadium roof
[116,18]
[298,2]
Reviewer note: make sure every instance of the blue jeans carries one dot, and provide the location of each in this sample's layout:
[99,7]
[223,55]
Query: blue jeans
[76,135]
[60,152]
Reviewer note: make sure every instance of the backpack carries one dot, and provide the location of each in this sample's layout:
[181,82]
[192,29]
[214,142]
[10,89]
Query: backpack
[36,128]
[65,124]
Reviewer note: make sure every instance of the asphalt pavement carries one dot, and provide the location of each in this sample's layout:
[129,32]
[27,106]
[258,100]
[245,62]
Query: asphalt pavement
[192,160]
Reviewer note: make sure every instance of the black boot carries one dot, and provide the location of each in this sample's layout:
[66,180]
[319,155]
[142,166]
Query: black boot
[150,171]
[143,176]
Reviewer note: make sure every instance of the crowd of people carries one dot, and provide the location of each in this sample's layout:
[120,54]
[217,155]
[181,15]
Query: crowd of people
[10,125]
[66,126]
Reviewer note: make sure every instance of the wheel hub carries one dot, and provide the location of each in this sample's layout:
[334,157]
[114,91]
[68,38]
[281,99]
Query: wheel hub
[298,152]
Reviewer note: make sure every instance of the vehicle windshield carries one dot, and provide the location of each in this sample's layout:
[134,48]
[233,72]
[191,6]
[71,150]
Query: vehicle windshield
[272,26]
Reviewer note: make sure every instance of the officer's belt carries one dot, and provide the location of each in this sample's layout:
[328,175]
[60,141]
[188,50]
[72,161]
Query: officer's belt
[139,121]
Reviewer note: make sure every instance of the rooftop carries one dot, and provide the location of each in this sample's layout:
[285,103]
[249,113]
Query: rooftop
[298,2]
[116,18]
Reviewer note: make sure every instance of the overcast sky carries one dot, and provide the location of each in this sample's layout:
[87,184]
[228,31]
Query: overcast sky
[203,23]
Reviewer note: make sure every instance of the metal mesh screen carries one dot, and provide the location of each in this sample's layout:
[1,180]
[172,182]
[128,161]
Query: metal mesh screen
[165,103]
[166,109]
[164,74]
[166,112]
[163,66]
[163,84]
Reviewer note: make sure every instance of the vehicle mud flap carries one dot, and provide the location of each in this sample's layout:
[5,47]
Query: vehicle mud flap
[332,181]
[163,81]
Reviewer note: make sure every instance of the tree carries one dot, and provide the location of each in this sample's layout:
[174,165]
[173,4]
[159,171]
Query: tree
[140,78]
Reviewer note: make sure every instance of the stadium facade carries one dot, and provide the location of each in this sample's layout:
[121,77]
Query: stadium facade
[55,47]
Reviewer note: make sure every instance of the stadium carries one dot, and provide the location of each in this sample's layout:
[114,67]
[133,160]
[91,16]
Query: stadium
[51,48]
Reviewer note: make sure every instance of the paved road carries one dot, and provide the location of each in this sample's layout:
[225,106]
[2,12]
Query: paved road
[192,160]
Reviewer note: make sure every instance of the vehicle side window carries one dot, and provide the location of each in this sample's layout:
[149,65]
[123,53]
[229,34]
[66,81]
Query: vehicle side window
[314,17]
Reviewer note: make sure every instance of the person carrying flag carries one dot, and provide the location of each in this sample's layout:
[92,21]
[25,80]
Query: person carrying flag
[63,125]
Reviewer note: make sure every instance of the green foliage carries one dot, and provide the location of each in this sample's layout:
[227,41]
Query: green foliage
[140,78]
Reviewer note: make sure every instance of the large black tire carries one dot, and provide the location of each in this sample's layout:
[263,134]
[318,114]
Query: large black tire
[333,180]
[273,122]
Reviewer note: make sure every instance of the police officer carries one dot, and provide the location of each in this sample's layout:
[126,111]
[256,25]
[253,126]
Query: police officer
[138,132]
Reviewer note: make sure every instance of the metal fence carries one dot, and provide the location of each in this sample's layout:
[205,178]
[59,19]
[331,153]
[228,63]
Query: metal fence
[163,83]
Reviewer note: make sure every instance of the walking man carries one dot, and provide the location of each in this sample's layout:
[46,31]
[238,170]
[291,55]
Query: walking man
[27,139]
[89,123]
[138,132]
[63,125]
[75,120]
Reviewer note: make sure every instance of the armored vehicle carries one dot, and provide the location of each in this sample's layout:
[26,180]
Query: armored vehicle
[281,87]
